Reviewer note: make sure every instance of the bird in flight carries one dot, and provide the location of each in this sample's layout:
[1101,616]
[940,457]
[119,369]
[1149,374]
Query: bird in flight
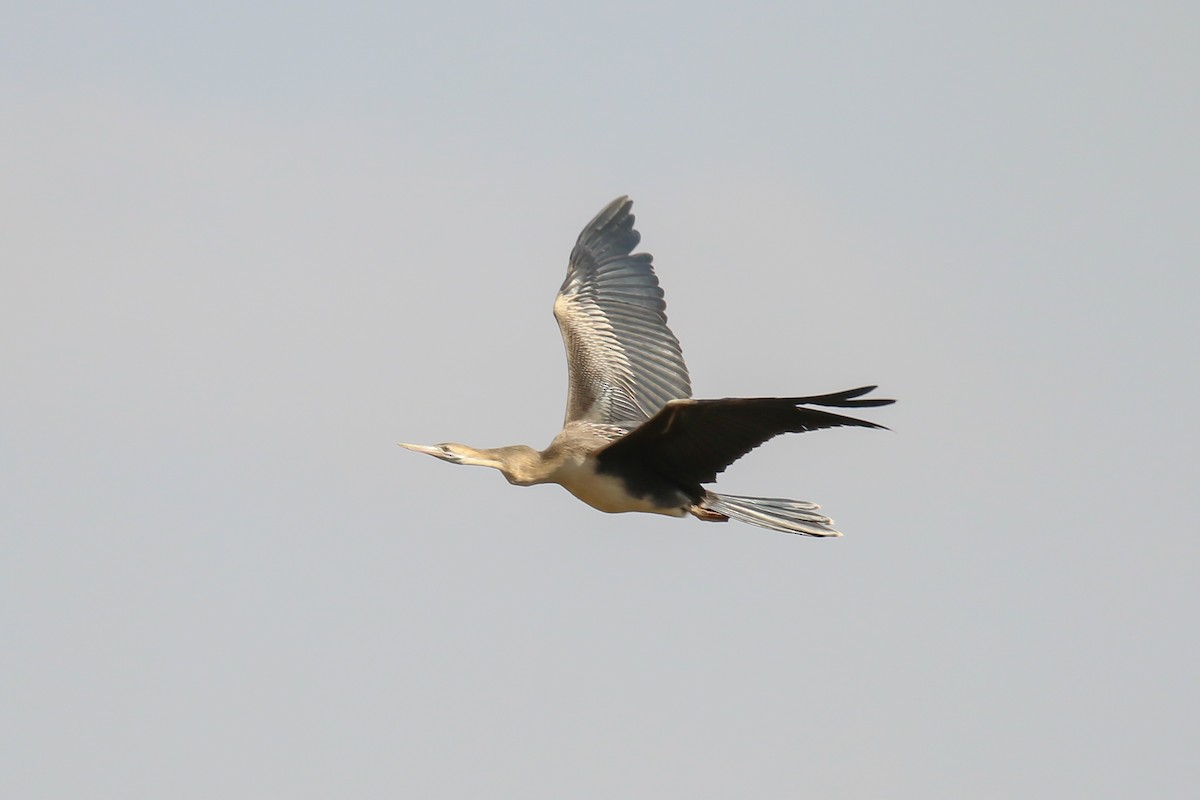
[634,439]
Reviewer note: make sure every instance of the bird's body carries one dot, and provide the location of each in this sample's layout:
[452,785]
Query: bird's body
[611,493]
[633,439]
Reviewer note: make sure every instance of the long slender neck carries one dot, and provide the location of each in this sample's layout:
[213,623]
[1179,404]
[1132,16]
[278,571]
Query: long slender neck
[521,464]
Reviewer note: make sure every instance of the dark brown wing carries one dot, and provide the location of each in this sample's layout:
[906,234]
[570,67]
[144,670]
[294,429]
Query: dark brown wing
[691,441]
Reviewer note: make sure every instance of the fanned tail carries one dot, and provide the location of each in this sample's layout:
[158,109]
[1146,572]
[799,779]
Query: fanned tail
[772,513]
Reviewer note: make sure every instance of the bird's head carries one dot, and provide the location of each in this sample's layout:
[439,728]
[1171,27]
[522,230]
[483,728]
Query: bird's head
[521,465]
[454,453]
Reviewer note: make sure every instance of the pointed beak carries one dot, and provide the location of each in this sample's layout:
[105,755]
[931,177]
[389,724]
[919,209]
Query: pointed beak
[421,448]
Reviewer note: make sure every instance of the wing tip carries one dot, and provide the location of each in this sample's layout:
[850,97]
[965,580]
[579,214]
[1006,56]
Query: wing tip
[611,232]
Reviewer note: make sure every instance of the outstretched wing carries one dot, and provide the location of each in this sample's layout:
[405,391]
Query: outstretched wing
[691,441]
[623,362]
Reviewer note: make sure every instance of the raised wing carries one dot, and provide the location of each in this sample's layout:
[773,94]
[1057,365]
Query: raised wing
[693,440]
[623,362]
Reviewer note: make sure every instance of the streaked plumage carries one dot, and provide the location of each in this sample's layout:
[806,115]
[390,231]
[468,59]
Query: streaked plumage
[633,439]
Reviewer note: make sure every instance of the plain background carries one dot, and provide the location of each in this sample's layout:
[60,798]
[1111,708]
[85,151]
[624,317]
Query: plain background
[246,249]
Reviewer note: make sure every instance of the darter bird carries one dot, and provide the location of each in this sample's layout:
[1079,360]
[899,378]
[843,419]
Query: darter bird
[633,438]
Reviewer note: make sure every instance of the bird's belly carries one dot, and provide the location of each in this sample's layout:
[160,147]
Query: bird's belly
[609,493]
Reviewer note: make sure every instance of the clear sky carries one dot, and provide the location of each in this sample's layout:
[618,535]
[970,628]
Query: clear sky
[246,249]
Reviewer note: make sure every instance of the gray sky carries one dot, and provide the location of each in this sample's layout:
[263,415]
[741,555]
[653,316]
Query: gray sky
[246,251]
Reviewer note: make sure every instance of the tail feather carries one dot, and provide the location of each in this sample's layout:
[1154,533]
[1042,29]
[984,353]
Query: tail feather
[773,513]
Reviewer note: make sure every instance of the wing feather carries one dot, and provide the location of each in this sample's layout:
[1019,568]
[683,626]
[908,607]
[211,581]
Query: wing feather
[623,362]
[692,441]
